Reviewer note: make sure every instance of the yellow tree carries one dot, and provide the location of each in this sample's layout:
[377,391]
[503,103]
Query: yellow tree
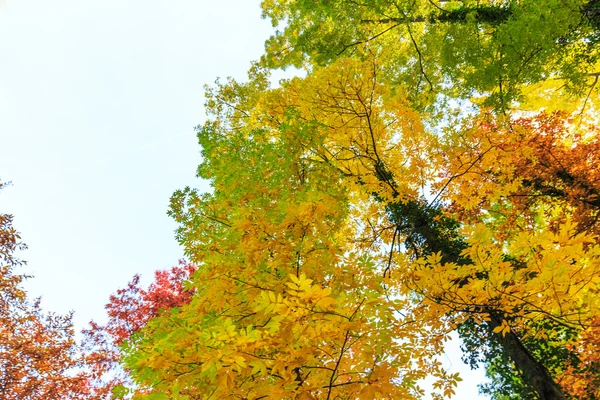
[343,241]
[514,55]
[293,297]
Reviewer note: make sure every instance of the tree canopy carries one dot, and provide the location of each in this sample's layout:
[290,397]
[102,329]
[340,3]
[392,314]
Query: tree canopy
[459,48]
[435,171]
[350,230]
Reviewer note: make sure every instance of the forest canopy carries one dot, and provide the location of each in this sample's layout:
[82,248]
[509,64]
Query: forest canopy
[434,172]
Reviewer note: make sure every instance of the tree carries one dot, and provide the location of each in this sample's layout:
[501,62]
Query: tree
[471,250]
[39,358]
[129,310]
[466,48]
[290,296]
[349,230]
[437,52]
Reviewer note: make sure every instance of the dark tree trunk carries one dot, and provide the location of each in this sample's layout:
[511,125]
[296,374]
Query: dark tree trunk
[484,14]
[532,370]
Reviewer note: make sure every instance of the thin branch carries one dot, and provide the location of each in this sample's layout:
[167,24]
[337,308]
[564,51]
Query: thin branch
[346,47]
[596,76]
[389,265]
[420,59]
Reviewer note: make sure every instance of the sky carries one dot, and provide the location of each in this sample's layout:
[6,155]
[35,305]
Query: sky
[98,101]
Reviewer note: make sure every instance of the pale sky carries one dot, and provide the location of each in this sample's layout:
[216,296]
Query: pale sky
[98,100]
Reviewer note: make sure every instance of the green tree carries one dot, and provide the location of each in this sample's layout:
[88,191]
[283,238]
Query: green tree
[460,49]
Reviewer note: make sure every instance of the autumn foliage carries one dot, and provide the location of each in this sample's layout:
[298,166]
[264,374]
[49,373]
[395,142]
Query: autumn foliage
[129,310]
[38,354]
[420,180]
[310,289]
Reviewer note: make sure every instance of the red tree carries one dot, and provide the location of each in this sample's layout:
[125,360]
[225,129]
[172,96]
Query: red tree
[129,309]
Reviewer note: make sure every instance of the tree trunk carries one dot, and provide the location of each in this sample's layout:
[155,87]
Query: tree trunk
[533,370]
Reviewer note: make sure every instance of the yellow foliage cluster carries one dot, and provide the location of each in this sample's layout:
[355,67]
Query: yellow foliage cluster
[311,284]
